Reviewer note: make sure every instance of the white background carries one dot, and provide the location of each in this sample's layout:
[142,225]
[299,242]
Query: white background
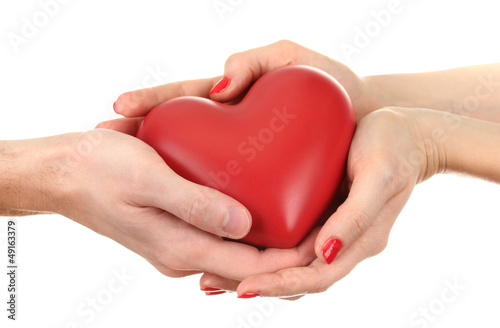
[68,75]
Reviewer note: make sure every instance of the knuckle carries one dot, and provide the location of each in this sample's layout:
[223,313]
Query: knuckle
[289,51]
[359,223]
[373,247]
[170,258]
[137,97]
[181,251]
[169,272]
[294,282]
[378,247]
[195,209]
[137,182]
[320,288]
[287,283]
[286,43]
[235,59]
[165,257]
[180,89]
[321,285]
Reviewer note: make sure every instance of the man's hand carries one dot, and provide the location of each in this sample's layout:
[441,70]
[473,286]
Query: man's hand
[120,187]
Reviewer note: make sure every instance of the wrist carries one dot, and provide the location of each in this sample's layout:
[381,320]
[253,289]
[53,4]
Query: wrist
[402,90]
[33,175]
[420,133]
[454,143]
[371,96]
[471,146]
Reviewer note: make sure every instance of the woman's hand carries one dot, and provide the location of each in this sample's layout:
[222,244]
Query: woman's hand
[240,71]
[120,187]
[393,149]
[390,153]
[471,91]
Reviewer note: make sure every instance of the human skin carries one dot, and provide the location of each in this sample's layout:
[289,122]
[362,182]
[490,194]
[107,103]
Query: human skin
[423,142]
[120,187]
[363,221]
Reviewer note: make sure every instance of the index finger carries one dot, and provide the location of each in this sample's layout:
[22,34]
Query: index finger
[138,103]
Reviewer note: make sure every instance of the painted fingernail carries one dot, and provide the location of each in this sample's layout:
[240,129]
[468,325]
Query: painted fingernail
[210,289]
[215,293]
[248,295]
[331,249]
[236,222]
[219,86]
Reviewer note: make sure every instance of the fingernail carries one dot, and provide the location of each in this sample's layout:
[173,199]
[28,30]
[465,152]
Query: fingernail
[236,222]
[248,295]
[331,249]
[215,293]
[219,86]
[210,289]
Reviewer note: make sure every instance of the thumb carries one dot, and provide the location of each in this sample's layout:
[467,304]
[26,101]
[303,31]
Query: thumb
[365,200]
[243,68]
[239,74]
[200,206]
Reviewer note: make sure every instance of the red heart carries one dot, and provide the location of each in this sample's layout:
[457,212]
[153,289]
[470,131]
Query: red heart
[281,151]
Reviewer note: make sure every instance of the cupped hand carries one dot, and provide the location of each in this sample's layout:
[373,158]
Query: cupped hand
[241,70]
[120,187]
[389,155]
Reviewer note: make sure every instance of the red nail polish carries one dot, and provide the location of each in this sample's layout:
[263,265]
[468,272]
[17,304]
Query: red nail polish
[221,85]
[331,249]
[248,295]
[210,289]
[215,293]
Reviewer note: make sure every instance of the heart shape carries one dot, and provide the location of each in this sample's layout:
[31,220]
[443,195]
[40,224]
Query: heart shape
[281,151]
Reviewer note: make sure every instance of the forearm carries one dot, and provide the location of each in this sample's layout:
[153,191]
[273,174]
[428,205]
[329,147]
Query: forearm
[473,147]
[472,91]
[30,175]
[455,143]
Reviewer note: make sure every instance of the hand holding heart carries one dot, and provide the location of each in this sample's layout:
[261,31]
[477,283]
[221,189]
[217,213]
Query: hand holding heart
[281,151]
[368,199]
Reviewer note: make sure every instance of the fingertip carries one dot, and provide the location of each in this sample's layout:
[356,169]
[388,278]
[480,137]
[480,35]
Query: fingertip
[247,289]
[102,125]
[248,295]
[328,244]
[125,103]
[133,103]
[211,282]
[128,126]
[220,86]
[223,91]
[237,222]
[330,249]
[238,75]
[118,105]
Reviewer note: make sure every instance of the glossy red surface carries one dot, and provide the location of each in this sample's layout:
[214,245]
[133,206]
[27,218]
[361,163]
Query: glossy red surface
[248,295]
[281,151]
[331,249]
